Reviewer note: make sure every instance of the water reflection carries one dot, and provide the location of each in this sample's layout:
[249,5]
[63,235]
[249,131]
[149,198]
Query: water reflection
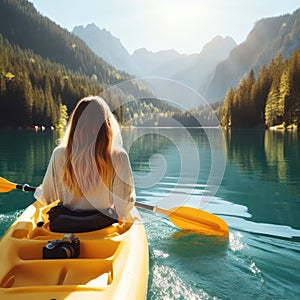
[246,149]
[274,149]
[197,245]
[142,144]
[174,162]
[269,181]
[24,156]
[271,154]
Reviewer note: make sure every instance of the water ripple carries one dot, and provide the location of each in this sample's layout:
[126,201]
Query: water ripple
[7,219]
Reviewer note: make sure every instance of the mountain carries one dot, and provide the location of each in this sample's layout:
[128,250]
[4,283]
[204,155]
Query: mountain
[45,70]
[156,64]
[195,70]
[105,45]
[269,37]
[199,73]
[110,48]
[22,25]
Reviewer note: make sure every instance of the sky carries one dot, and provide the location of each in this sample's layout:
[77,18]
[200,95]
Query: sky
[183,25]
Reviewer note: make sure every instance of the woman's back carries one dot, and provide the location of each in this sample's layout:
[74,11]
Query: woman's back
[90,169]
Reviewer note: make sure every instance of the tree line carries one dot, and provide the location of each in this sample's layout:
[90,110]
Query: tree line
[273,98]
[24,26]
[35,91]
[44,69]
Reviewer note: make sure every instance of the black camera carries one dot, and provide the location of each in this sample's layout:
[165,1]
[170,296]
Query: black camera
[68,247]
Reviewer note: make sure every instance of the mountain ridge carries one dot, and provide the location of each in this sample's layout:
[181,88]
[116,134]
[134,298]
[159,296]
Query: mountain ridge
[31,30]
[268,38]
[214,76]
[113,53]
[45,70]
[195,70]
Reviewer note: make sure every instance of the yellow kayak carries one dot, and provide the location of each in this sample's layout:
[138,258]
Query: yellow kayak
[112,264]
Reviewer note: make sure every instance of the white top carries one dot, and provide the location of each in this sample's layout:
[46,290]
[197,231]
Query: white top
[122,196]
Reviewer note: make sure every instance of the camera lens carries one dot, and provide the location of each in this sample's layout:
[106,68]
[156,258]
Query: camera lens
[69,250]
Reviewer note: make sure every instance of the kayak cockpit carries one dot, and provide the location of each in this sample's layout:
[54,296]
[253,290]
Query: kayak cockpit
[105,256]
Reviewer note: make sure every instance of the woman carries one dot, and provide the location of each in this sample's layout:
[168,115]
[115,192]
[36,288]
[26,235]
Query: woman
[90,170]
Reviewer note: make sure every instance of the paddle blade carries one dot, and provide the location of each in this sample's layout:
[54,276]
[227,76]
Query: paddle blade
[6,186]
[188,218]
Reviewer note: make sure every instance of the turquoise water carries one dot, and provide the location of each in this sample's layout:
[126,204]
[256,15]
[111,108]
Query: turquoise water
[258,196]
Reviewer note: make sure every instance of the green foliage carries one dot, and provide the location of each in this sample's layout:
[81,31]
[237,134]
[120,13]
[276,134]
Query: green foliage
[21,24]
[40,91]
[45,70]
[272,99]
[63,117]
[227,108]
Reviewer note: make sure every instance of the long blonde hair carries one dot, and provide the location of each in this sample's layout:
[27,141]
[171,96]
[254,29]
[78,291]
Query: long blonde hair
[91,136]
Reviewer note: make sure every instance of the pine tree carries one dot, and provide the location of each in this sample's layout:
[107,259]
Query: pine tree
[283,104]
[28,99]
[259,94]
[273,115]
[227,108]
[292,107]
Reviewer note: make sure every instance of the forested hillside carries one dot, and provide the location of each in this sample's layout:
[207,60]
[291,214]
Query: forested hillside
[22,25]
[32,88]
[273,98]
[36,91]
[268,38]
[45,70]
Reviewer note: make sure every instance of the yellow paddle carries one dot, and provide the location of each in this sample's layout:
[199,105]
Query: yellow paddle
[7,186]
[189,218]
[184,217]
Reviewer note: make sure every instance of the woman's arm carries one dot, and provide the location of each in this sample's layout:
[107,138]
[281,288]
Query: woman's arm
[47,192]
[123,186]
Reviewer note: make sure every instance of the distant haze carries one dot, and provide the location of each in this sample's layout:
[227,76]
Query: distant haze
[194,70]
[220,65]
[185,26]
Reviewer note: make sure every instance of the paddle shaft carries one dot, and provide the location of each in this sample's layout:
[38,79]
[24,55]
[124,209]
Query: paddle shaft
[146,206]
[28,188]
[152,208]
[186,218]
[25,188]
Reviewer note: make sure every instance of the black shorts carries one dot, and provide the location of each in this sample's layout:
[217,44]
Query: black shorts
[63,219]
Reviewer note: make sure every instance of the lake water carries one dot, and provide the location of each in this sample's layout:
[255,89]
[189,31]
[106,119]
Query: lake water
[257,194]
